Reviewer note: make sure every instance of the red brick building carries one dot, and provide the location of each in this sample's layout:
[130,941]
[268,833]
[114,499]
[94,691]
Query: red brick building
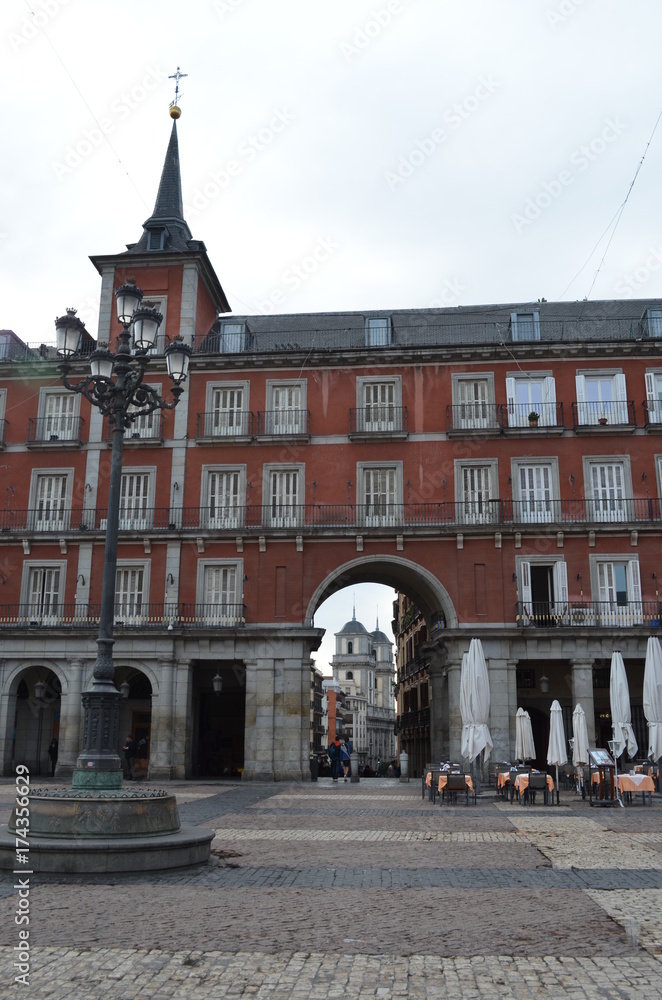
[308,453]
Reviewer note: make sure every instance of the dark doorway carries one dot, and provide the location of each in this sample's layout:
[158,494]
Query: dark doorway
[220,720]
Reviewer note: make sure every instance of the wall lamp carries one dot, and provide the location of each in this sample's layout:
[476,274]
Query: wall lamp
[217,684]
[125,689]
[80,579]
[170,578]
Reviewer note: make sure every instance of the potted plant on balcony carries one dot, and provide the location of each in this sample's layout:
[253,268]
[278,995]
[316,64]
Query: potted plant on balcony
[602,419]
[533,418]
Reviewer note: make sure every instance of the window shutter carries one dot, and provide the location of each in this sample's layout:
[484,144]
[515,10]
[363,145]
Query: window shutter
[582,408]
[525,576]
[621,406]
[652,403]
[560,578]
[549,402]
[634,588]
[514,418]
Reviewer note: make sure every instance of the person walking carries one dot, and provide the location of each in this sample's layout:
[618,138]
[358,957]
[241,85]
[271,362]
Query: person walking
[345,754]
[130,750]
[335,758]
[52,753]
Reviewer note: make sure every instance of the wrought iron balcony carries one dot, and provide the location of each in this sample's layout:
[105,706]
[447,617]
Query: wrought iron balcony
[541,415]
[222,424]
[60,431]
[147,429]
[283,423]
[589,614]
[652,414]
[378,420]
[413,720]
[616,414]
[128,615]
[474,418]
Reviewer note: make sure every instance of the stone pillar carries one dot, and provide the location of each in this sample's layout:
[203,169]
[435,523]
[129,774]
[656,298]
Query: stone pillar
[161,736]
[503,688]
[291,718]
[182,721]
[582,693]
[259,728]
[7,717]
[454,713]
[512,701]
[438,703]
[71,720]
[404,766]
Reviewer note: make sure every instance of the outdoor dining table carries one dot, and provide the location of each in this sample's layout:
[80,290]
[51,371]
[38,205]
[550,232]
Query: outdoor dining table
[443,781]
[628,783]
[522,783]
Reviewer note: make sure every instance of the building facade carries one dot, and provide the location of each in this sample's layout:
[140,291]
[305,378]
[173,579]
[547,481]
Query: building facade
[499,465]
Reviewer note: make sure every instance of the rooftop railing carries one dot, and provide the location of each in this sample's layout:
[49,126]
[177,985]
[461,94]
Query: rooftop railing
[128,615]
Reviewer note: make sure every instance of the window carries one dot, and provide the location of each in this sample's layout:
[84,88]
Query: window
[524,395]
[543,588]
[601,396]
[218,584]
[50,506]
[232,338]
[130,605]
[5,343]
[525,325]
[135,501]
[475,492]
[607,488]
[378,331]
[653,322]
[284,487]
[146,426]
[349,676]
[618,586]
[654,396]
[350,646]
[379,406]
[381,494]
[535,487]
[43,593]
[286,408]
[160,304]
[156,238]
[227,414]
[473,401]
[225,500]
[59,416]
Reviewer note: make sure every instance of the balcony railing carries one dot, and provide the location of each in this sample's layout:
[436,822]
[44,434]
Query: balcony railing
[128,615]
[378,419]
[474,417]
[611,413]
[55,430]
[147,428]
[549,415]
[413,720]
[601,614]
[652,413]
[283,423]
[221,424]
[230,516]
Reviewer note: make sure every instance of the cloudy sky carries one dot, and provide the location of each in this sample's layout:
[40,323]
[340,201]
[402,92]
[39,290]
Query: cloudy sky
[360,154]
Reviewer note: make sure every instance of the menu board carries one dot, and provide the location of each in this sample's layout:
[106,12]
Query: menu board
[600,758]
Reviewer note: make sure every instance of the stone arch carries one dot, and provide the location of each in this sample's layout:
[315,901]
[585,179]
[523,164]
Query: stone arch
[418,583]
[14,674]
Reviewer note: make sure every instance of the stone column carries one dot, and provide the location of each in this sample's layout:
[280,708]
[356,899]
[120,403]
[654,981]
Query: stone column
[454,713]
[438,703]
[582,693]
[259,728]
[161,737]
[503,688]
[512,701]
[291,717]
[7,717]
[71,720]
[182,724]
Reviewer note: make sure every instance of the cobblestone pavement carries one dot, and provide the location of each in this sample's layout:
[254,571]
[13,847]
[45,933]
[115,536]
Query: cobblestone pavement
[359,890]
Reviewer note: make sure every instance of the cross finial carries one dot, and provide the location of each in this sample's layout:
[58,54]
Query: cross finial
[176,77]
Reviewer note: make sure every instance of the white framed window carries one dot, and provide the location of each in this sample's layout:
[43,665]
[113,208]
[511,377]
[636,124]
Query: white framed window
[378,331]
[5,346]
[525,325]
[536,487]
[543,590]
[473,401]
[50,499]
[58,415]
[283,490]
[608,485]
[653,322]
[616,583]
[219,592]
[131,593]
[476,491]
[380,493]
[600,396]
[379,404]
[286,408]
[146,426]
[224,492]
[42,592]
[531,394]
[232,337]
[226,409]
[136,501]
[654,395]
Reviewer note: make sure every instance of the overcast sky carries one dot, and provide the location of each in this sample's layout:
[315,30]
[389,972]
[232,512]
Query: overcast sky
[354,155]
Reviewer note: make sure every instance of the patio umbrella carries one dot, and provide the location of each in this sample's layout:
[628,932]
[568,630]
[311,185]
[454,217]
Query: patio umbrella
[653,697]
[524,746]
[619,700]
[580,741]
[475,703]
[556,752]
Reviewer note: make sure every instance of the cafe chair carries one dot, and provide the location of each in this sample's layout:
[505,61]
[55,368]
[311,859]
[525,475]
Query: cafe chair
[537,783]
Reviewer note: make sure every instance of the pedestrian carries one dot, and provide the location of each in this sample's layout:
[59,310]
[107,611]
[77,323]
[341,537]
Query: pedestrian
[130,749]
[334,757]
[345,755]
[52,753]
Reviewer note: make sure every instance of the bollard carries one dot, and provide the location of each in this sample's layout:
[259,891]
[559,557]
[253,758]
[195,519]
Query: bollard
[314,768]
[404,766]
[354,766]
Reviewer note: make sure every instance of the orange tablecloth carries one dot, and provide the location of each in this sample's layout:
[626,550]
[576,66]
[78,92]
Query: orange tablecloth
[443,779]
[635,783]
[522,783]
[503,778]
[428,778]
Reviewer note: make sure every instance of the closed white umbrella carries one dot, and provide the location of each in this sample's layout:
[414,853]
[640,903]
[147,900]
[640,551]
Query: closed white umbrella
[653,697]
[619,700]
[580,741]
[524,746]
[556,752]
[475,703]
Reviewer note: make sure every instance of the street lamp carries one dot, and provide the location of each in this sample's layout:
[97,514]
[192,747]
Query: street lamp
[116,387]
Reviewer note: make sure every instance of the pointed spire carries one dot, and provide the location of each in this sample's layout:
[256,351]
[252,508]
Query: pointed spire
[169,204]
[354,609]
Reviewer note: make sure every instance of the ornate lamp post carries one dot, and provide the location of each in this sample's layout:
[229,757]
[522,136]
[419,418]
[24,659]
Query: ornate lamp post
[116,387]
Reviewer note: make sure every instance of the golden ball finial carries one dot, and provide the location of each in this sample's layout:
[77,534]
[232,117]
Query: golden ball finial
[175,112]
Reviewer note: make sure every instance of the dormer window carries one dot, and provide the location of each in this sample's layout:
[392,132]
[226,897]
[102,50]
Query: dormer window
[156,238]
[525,325]
[378,331]
[232,338]
[653,322]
